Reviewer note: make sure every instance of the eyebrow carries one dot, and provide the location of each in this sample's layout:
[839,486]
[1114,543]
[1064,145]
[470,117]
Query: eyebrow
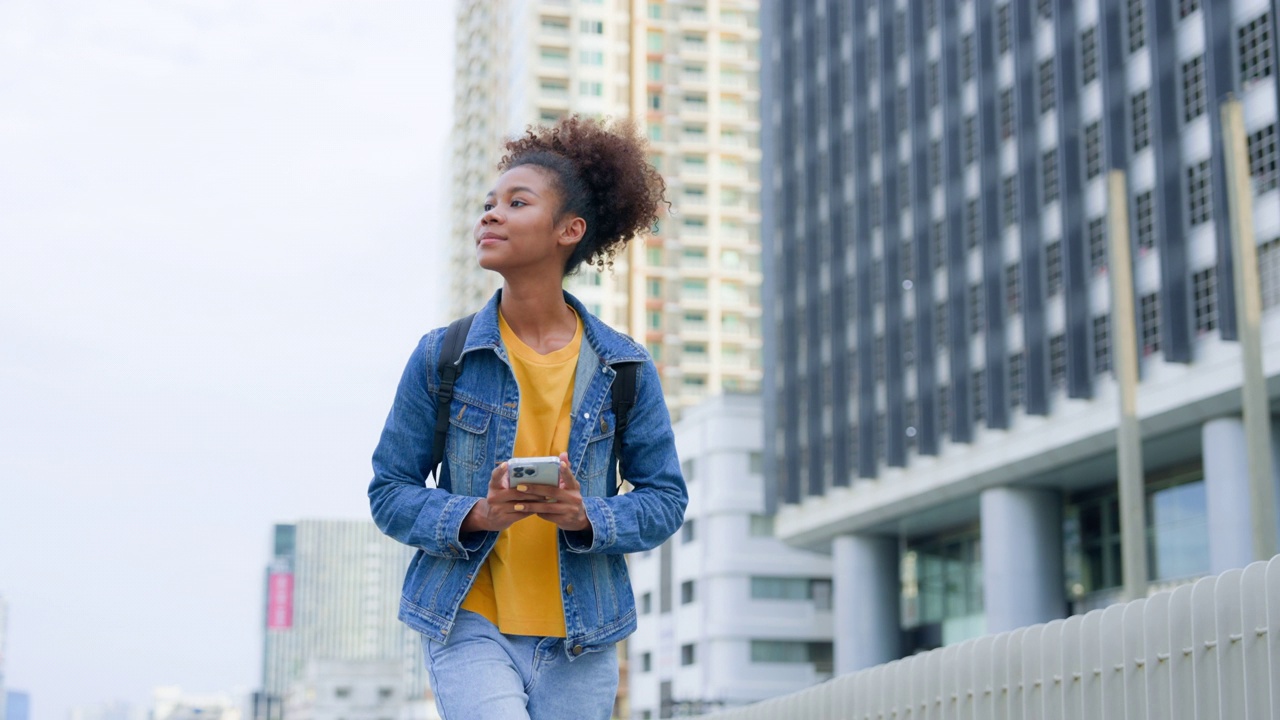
[516,189]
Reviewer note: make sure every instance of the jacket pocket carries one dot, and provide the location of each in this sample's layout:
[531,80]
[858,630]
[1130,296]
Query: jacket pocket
[467,443]
[595,462]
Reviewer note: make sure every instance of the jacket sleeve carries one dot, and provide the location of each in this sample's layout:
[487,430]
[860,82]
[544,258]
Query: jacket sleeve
[402,505]
[645,517]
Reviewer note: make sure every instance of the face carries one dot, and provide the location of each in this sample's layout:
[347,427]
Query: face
[519,229]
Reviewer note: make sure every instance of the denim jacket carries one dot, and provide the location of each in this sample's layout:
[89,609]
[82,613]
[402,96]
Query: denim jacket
[599,608]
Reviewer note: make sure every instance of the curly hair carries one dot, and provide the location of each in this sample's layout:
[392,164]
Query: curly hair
[603,176]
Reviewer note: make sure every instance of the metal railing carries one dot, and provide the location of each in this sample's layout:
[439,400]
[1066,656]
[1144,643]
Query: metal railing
[1207,650]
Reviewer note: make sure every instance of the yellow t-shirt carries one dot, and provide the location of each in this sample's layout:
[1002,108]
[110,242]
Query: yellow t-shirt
[518,587]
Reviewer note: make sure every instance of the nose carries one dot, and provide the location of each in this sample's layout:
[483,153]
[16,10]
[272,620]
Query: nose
[490,216]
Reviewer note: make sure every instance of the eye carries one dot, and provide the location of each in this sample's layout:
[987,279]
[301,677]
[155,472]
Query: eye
[518,203]
[488,206]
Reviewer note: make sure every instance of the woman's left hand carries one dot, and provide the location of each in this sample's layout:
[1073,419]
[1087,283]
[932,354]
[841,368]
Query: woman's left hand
[563,505]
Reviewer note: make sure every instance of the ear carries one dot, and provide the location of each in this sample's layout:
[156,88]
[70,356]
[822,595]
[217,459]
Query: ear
[571,232]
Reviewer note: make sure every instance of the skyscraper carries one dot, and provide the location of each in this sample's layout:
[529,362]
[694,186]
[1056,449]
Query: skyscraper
[332,593]
[688,72]
[942,410]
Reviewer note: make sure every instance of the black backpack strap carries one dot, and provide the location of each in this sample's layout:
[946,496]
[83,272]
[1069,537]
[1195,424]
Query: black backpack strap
[624,398]
[450,365]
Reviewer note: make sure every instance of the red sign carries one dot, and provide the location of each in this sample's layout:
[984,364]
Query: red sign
[280,601]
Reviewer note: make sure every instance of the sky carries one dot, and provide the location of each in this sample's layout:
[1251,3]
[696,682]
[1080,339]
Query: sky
[221,234]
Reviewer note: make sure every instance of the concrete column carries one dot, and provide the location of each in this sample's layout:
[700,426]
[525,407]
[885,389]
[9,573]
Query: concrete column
[867,591]
[1226,492]
[1022,579]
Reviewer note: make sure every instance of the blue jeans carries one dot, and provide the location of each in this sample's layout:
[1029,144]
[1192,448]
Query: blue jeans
[481,674]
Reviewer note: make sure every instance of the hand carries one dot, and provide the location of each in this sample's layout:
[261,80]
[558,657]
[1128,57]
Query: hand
[502,507]
[562,503]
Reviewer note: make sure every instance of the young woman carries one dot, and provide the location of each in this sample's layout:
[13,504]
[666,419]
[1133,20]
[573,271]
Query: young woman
[519,590]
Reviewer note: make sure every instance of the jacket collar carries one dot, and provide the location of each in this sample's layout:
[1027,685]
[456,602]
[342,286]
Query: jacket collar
[608,344]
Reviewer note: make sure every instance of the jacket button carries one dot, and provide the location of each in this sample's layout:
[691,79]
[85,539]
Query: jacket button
[577,649]
[568,589]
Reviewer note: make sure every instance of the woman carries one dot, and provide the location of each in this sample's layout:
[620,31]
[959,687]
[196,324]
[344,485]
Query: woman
[521,591]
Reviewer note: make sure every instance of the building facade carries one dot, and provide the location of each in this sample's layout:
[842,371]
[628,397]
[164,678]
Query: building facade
[332,593]
[728,614]
[4,638]
[688,72]
[17,705]
[352,690]
[942,411]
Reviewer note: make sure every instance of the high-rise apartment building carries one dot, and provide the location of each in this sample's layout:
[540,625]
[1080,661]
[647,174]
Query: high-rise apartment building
[688,72]
[942,411]
[332,593]
[727,613]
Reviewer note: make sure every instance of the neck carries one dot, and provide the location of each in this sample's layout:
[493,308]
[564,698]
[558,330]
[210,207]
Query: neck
[537,313]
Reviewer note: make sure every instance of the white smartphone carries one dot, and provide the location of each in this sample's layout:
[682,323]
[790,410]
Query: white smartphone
[535,470]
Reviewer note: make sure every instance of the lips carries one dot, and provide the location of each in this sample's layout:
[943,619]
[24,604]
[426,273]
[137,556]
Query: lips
[489,238]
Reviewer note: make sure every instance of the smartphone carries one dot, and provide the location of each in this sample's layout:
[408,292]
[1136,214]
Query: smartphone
[535,470]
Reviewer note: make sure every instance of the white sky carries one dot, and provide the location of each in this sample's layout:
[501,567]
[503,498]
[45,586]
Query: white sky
[220,233]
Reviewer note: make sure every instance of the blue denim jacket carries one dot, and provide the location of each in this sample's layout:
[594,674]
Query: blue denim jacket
[599,608]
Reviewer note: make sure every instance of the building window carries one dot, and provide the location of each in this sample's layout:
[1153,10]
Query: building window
[1009,200]
[873,132]
[1092,150]
[971,224]
[1149,323]
[1137,26]
[1049,170]
[1204,289]
[1255,49]
[976,315]
[1089,56]
[1186,7]
[1199,195]
[1017,377]
[979,395]
[942,581]
[966,58]
[907,259]
[940,323]
[820,654]
[1269,272]
[1102,344]
[1012,288]
[932,84]
[1057,360]
[761,525]
[904,185]
[1194,99]
[935,163]
[1144,211]
[686,592]
[1045,8]
[944,409]
[646,603]
[1098,244]
[342,691]
[1006,113]
[877,281]
[939,244]
[687,531]
[908,345]
[646,662]
[1141,121]
[1053,268]
[790,588]
[879,358]
[1004,30]
[590,88]
[592,27]
[386,693]
[970,139]
[1046,86]
[686,654]
[1262,158]
[874,206]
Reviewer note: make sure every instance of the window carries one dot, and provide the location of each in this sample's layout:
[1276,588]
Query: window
[1203,284]
[1102,344]
[933,94]
[653,69]
[1269,273]
[761,526]
[686,592]
[654,320]
[908,346]
[1045,8]
[686,654]
[877,281]
[1098,244]
[591,57]
[386,693]
[1089,56]
[971,224]
[342,691]
[1058,360]
[907,259]
[935,163]
[655,11]
[1255,49]
[1262,158]
[1092,150]
[1046,86]
[1144,211]
[1004,31]
[1141,121]
[944,409]
[979,395]
[1017,377]
[1006,113]
[1199,195]
[755,465]
[966,57]
[1049,169]
[655,41]
[687,532]
[1194,99]
[819,654]
[1137,26]
[1012,288]
[976,317]
[970,139]
[591,27]
[878,351]
[940,322]
[590,88]
[655,101]
[873,132]
[1186,7]
[874,206]
[553,56]
[1009,200]
[646,603]
[1149,323]
[1053,268]
[646,662]
[939,244]
[792,588]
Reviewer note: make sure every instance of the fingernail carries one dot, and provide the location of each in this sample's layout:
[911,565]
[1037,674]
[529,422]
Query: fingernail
[522,488]
[519,507]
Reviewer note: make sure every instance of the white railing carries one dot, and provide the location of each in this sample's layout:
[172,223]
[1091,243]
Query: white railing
[1208,650]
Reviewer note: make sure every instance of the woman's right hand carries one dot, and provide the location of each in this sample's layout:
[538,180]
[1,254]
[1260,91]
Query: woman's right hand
[502,507]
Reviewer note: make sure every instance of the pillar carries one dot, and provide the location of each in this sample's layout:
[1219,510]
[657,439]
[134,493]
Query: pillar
[1022,580]
[1226,492]
[867,592]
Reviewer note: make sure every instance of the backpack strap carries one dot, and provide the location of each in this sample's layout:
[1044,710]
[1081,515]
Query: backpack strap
[450,365]
[624,398]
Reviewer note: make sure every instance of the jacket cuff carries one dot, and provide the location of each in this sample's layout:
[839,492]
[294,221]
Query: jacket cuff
[449,536]
[603,532]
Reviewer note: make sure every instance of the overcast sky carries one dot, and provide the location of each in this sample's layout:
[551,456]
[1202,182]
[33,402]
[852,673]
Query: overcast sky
[220,233]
